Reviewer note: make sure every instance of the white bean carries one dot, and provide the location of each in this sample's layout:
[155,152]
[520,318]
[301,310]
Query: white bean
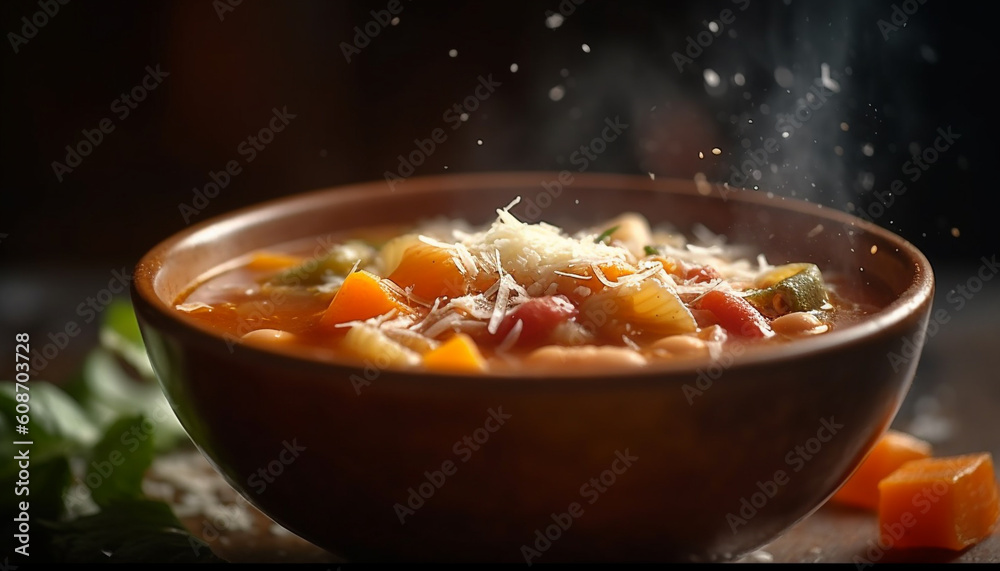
[269,337]
[681,346]
[585,357]
[799,323]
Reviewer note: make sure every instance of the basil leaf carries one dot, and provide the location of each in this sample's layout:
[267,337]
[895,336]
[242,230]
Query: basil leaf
[605,235]
[119,461]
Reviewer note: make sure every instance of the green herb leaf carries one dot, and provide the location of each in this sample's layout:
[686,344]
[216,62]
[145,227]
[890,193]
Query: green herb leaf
[120,333]
[128,531]
[57,425]
[606,234]
[650,250]
[120,460]
[47,487]
[107,391]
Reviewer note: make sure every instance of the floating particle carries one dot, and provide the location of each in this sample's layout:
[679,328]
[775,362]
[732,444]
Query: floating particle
[557,93]
[452,53]
[554,21]
[874,248]
[395,21]
[712,79]
[928,54]
[738,79]
[716,151]
[513,68]
[868,149]
[701,155]
[585,48]
[844,126]
[479,142]
[955,232]
[784,77]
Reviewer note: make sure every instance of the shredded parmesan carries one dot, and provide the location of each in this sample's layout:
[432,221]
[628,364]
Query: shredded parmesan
[511,339]
[569,275]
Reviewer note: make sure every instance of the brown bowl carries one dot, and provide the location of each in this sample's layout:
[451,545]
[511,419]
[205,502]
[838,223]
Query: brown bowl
[693,460]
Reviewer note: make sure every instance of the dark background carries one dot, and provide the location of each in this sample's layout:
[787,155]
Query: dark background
[226,74]
[61,242]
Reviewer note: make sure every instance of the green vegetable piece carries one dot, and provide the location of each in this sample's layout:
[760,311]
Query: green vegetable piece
[606,234]
[802,291]
[650,250]
[317,271]
[125,453]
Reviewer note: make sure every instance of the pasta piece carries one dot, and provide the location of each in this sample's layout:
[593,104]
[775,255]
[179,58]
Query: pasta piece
[649,305]
[369,343]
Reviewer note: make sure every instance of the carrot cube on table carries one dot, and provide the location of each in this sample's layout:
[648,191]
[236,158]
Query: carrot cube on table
[950,503]
[892,451]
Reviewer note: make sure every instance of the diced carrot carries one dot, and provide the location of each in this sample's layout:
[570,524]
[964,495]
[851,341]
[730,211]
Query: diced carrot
[735,314]
[272,262]
[892,451]
[363,295]
[431,272]
[458,355]
[939,502]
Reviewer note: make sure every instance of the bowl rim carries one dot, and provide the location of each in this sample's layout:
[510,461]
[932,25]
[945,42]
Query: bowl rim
[917,294]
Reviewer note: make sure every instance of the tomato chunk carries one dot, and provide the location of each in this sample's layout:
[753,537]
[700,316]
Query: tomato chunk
[538,317]
[735,314]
